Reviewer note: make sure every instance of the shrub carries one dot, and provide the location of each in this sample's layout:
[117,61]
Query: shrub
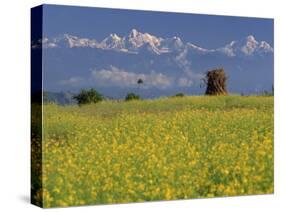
[88,96]
[179,95]
[132,96]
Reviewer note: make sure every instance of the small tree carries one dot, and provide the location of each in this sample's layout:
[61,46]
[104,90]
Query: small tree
[88,96]
[140,81]
[132,96]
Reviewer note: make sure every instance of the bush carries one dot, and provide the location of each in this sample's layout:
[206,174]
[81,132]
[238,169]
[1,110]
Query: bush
[132,96]
[88,96]
[179,95]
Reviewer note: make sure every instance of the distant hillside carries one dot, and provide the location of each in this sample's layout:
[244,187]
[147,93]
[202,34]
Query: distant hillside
[61,98]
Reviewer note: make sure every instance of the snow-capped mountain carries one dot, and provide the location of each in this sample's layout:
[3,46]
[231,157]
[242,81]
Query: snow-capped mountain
[247,46]
[113,41]
[136,40]
[166,64]
[74,41]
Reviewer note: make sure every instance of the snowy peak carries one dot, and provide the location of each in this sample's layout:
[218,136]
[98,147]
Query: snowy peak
[113,41]
[171,44]
[134,33]
[137,39]
[246,47]
[115,37]
[251,40]
[73,41]
[250,45]
[68,41]
[264,46]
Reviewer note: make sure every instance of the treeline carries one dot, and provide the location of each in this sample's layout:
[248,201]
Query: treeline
[85,96]
[93,96]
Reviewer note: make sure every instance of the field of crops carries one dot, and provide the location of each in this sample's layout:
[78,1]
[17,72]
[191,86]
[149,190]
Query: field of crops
[164,149]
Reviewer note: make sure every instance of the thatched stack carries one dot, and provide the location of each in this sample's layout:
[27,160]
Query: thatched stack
[216,82]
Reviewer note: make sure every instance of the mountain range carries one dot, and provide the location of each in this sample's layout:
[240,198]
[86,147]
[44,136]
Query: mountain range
[167,65]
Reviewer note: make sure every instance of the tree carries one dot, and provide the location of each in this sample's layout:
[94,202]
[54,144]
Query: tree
[132,96]
[140,81]
[88,96]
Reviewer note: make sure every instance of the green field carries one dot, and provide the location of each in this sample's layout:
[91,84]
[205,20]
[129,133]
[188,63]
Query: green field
[162,149]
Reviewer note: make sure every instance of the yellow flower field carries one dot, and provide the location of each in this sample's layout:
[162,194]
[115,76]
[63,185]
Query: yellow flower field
[163,149]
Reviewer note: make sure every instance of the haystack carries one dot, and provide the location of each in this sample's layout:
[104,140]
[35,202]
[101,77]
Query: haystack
[216,82]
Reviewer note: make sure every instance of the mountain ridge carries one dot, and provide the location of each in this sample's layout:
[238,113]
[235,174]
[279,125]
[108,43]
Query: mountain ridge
[135,40]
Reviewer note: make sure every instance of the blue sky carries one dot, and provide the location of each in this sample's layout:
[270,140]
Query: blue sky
[205,30]
[250,68]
